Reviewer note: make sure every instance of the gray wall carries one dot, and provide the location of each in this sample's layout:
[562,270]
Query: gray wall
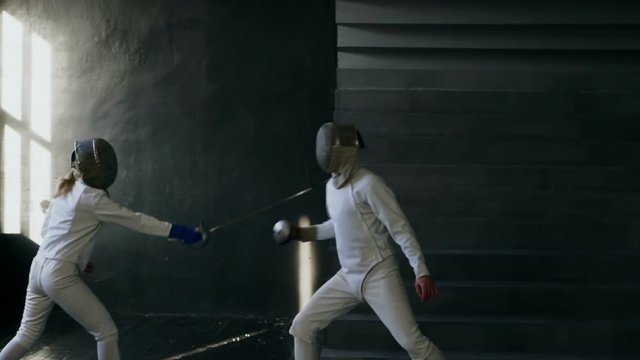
[17,253]
[510,133]
[492,118]
[212,107]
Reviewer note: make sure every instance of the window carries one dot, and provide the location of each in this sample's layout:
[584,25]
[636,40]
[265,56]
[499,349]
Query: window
[12,154]
[26,115]
[12,66]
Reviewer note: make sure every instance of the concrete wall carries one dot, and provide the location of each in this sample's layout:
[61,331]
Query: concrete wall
[509,132]
[212,107]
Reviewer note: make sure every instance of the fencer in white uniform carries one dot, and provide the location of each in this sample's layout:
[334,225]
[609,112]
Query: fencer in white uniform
[73,217]
[363,214]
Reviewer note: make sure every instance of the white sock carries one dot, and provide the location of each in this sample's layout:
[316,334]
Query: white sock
[13,351]
[304,351]
[108,350]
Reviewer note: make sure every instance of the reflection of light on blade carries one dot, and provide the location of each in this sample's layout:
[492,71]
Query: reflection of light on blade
[217,345]
[256,212]
[12,186]
[305,267]
[12,65]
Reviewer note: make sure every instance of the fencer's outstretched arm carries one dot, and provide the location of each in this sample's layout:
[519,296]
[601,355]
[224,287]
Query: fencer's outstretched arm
[107,210]
[386,208]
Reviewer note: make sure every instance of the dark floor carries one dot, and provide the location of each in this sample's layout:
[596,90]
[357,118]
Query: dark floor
[173,337]
[167,338]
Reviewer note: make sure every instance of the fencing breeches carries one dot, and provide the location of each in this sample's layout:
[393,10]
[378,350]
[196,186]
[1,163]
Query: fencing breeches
[58,282]
[383,289]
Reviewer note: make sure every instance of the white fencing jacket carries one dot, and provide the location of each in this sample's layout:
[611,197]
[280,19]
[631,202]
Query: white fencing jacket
[362,215]
[73,219]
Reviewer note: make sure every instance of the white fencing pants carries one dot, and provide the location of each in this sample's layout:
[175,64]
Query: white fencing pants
[53,281]
[384,291]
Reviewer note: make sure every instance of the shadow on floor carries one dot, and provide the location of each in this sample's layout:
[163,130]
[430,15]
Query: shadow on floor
[169,337]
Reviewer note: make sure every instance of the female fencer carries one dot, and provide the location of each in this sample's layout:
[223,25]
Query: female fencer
[79,207]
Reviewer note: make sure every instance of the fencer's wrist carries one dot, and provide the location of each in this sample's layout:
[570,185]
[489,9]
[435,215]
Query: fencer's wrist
[308,233]
[421,270]
[294,233]
[184,233]
[177,231]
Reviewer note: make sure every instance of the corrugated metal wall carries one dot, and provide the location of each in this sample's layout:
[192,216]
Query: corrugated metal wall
[510,133]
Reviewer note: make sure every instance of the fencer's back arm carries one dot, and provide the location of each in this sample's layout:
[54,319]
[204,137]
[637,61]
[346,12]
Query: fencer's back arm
[106,210]
[385,206]
[45,223]
[324,231]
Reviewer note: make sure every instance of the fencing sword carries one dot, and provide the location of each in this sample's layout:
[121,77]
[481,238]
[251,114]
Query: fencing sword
[205,231]
[259,211]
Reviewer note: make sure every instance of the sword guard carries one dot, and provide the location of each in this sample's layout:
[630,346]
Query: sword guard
[205,237]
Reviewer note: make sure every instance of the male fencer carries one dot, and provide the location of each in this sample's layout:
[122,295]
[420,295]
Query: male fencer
[363,212]
[74,215]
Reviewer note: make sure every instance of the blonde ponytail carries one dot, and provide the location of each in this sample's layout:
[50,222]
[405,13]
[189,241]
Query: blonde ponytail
[65,183]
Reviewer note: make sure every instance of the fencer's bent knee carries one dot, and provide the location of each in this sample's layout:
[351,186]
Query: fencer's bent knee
[28,334]
[412,338]
[109,337]
[108,332]
[417,344]
[406,344]
[25,341]
[303,329]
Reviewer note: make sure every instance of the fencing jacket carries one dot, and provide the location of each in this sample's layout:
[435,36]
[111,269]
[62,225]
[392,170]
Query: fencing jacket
[362,215]
[73,219]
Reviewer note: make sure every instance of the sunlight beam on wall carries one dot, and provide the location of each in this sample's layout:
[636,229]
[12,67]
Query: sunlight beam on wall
[41,86]
[40,184]
[11,66]
[12,156]
[305,267]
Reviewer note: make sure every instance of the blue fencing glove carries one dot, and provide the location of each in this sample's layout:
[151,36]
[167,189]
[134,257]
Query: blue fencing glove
[186,234]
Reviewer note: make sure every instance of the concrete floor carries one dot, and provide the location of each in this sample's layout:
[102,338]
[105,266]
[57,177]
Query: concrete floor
[167,337]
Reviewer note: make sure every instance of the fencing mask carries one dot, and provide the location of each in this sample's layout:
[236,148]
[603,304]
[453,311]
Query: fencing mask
[96,161]
[337,150]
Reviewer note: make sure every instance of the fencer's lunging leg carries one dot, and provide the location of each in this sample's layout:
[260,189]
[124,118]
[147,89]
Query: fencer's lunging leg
[67,289]
[37,308]
[34,318]
[333,299]
[386,294]
[13,350]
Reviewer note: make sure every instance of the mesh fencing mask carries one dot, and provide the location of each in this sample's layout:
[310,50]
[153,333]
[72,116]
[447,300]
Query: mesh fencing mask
[337,150]
[96,161]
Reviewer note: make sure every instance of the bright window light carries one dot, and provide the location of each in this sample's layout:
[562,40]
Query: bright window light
[305,267]
[12,65]
[40,185]
[12,154]
[41,86]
